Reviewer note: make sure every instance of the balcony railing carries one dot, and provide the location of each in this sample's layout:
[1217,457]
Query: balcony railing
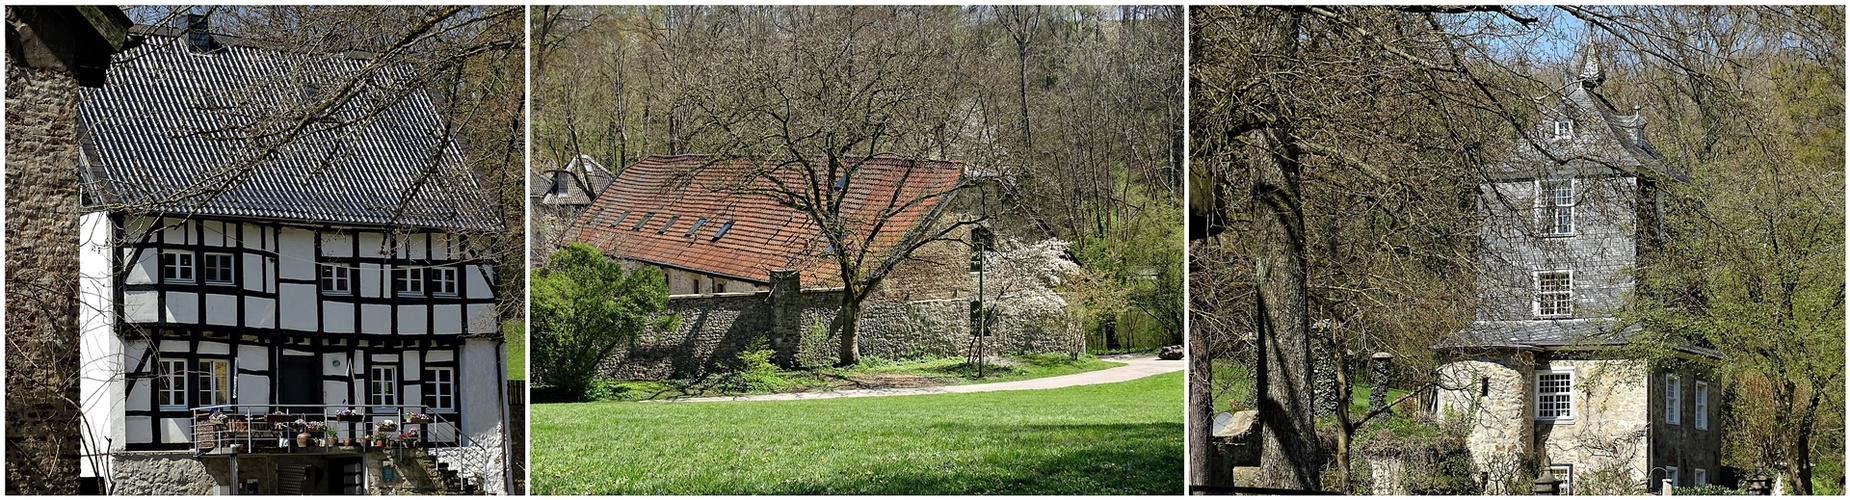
[274,428]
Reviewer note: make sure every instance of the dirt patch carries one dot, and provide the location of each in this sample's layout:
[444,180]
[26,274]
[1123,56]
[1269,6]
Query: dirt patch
[886,381]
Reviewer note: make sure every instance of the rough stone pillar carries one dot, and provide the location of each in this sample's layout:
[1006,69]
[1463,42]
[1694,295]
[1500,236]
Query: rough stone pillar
[1381,367]
[53,51]
[1323,377]
[786,315]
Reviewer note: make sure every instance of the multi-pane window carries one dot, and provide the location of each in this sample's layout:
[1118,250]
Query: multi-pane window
[1554,293]
[336,279]
[1565,474]
[1554,396]
[1701,477]
[170,384]
[176,266]
[440,392]
[443,280]
[1673,400]
[217,268]
[382,389]
[1564,129]
[1702,408]
[1555,204]
[408,281]
[214,382]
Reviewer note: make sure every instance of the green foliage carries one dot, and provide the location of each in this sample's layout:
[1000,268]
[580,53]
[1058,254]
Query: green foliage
[584,308]
[1121,438]
[1433,454]
[1706,490]
[515,331]
[1136,260]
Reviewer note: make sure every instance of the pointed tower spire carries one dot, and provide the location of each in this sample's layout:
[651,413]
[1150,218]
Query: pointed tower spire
[1591,73]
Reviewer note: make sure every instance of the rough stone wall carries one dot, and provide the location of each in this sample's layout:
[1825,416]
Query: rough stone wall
[1683,445]
[41,254]
[1494,391]
[176,473]
[714,329]
[1387,476]
[1608,434]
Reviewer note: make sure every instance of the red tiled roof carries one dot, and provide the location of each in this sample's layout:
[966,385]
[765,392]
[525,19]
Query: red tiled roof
[676,192]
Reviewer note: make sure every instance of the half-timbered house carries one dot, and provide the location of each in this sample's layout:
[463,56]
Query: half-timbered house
[241,274]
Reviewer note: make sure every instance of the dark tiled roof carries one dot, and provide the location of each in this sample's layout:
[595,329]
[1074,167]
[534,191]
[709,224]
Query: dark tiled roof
[1550,334]
[172,124]
[587,179]
[761,235]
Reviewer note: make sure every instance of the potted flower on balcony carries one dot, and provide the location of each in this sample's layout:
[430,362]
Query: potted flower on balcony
[276,417]
[301,439]
[387,426]
[216,416]
[349,415]
[410,439]
[417,418]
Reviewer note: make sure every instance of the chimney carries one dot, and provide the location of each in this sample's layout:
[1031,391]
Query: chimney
[198,32]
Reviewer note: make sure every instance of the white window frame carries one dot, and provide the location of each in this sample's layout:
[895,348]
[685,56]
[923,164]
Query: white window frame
[1702,406]
[1566,311]
[1551,209]
[1673,399]
[1701,477]
[1564,129]
[443,281]
[1565,474]
[182,266]
[170,384]
[382,386]
[1670,472]
[408,281]
[442,381]
[206,269]
[1568,394]
[214,390]
[336,279]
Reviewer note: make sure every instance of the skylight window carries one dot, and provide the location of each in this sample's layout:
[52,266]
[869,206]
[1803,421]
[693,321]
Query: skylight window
[644,221]
[722,230]
[696,228]
[626,215]
[666,225]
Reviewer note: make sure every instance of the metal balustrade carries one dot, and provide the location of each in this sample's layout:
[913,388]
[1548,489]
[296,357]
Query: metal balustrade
[273,428]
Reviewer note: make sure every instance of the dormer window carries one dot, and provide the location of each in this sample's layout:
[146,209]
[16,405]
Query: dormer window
[1564,130]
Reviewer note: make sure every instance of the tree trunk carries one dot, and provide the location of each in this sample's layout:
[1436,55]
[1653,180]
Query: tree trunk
[1289,458]
[1202,467]
[850,352]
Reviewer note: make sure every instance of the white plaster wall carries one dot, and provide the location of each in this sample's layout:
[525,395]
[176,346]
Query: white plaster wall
[375,318]
[141,306]
[221,309]
[182,307]
[100,353]
[373,245]
[337,317]
[298,253]
[142,267]
[480,385]
[482,319]
[370,276]
[175,230]
[298,304]
[254,267]
[478,277]
[412,319]
[446,319]
[259,312]
[336,244]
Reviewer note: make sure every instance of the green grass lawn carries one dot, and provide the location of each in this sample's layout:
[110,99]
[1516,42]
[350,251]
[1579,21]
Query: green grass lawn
[1120,438]
[516,334]
[871,372]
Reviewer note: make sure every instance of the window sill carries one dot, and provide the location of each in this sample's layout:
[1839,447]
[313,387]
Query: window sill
[1554,421]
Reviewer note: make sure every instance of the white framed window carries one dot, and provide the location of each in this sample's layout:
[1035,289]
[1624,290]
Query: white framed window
[1564,129]
[1554,294]
[1554,396]
[443,281]
[170,384]
[1565,474]
[176,266]
[1670,472]
[408,281]
[382,388]
[440,393]
[1554,203]
[1701,477]
[336,279]
[1702,410]
[214,382]
[218,268]
[1673,399]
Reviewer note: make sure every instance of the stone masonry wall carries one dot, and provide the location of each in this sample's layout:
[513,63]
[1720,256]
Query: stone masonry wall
[714,329]
[1606,441]
[1493,390]
[41,274]
[173,473]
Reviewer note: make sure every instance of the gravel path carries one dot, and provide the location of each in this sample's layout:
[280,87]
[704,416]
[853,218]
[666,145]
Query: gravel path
[1135,367]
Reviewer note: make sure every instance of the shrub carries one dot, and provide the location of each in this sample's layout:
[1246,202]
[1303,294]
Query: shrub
[584,308]
[1706,490]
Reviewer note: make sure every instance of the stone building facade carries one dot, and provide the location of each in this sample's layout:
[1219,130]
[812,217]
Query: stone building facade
[1541,373]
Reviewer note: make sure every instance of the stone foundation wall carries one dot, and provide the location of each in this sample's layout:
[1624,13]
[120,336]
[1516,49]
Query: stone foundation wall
[1493,391]
[1606,442]
[176,473]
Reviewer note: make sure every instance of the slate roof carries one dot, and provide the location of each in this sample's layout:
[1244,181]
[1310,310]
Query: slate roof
[174,124]
[1551,334]
[1603,132]
[688,200]
[586,179]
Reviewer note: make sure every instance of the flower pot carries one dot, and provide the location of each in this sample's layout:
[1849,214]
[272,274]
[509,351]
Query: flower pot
[417,420]
[346,442]
[349,418]
[301,440]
